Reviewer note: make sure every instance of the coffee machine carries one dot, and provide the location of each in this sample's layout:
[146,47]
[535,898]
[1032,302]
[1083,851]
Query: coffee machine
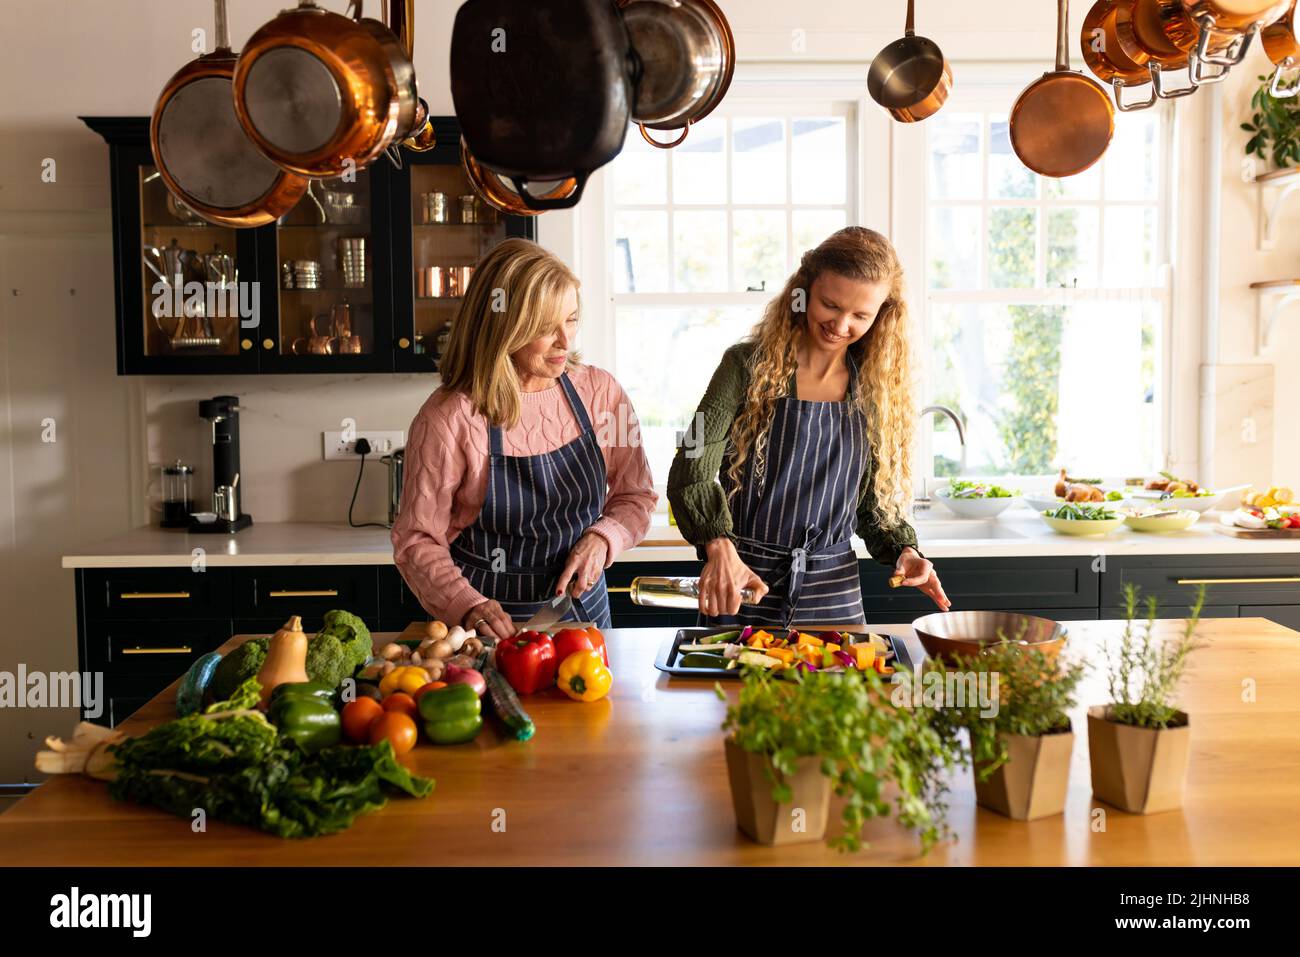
[222,412]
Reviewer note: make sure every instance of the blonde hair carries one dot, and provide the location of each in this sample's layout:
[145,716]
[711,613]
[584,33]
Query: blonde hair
[514,297]
[882,356]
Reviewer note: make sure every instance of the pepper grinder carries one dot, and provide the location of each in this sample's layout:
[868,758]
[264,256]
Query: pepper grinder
[222,412]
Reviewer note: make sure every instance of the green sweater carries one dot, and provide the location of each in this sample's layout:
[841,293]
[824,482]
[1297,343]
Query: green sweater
[698,501]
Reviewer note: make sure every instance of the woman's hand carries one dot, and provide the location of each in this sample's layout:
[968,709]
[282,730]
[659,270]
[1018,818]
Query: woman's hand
[723,578]
[920,572]
[488,618]
[585,565]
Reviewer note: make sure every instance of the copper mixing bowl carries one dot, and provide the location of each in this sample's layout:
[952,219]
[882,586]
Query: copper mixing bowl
[967,633]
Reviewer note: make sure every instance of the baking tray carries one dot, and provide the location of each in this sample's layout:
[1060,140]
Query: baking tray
[668,653]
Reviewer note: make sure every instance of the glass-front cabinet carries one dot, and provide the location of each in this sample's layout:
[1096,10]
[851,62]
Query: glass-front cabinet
[448,229]
[365,274]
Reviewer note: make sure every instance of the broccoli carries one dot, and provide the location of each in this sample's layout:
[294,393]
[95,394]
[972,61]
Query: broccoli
[341,647]
[238,666]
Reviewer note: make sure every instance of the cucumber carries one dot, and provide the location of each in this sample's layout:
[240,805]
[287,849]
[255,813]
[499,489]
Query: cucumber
[702,659]
[721,638]
[189,694]
[506,704]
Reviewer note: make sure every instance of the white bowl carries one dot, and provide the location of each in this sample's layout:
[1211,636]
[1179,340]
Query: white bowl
[1049,503]
[1200,503]
[204,518]
[975,507]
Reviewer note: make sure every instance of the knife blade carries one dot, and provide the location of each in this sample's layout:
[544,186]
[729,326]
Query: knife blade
[549,614]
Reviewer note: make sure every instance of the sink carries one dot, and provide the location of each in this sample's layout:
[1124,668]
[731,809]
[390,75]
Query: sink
[929,531]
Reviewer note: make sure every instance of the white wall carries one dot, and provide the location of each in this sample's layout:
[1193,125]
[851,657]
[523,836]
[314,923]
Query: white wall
[64,58]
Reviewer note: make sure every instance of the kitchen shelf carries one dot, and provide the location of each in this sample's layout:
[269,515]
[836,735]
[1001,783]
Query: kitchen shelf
[1274,189]
[1270,299]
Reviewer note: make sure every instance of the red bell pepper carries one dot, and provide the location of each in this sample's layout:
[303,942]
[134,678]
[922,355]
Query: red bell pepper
[527,661]
[569,641]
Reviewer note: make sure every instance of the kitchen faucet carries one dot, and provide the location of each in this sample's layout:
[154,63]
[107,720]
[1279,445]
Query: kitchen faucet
[922,504]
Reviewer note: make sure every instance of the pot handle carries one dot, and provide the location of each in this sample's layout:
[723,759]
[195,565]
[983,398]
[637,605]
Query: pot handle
[1196,71]
[645,134]
[1062,35]
[1276,89]
[542,205]
[1235,52]
[1118,84]
[1158,83]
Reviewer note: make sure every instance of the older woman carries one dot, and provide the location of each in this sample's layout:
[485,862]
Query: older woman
[524,477]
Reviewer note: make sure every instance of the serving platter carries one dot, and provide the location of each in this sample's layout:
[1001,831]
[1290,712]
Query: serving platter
[669,653]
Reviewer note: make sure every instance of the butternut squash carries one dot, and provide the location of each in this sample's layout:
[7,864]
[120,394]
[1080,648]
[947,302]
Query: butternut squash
[286,658]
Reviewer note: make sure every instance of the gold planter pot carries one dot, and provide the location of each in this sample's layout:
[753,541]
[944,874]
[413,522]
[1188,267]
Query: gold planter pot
[761,818]
[1140,770]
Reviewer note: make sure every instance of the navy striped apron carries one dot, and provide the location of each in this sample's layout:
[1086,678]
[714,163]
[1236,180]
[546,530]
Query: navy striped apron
[536,509]
[794,529]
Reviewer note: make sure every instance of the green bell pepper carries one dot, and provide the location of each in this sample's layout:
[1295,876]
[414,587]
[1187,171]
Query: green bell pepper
[309,720]
[303,689]
[452,715]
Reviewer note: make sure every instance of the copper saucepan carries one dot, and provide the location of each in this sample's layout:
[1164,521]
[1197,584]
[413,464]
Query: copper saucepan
[201,151]
[323,94]
[1161,29]
[1283,49]
[1063,122]
[910,78]
[1113,55]
[498,194]
[1228,27]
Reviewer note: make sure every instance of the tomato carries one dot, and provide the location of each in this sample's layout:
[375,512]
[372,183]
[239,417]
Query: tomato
[569,641]
[358,716]
[395,727]
[402,702]
[431,686]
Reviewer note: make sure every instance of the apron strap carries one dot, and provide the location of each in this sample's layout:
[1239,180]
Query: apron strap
[575,403]
[494,440]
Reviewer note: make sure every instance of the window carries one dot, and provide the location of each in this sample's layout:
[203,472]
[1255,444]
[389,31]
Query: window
[1046,307]
[702,236]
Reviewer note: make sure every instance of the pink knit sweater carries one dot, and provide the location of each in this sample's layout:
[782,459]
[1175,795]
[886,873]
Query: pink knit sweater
[446,478]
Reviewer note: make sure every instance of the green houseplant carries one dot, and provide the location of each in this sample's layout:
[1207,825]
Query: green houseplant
[793,739]
[1274,127]
[1139,743]
[1021,750]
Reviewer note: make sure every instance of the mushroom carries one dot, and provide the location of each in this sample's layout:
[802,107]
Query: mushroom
[436,630]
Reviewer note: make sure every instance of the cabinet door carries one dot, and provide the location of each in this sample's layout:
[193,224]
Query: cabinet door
[326,271]
[151,594]
[1228,580]
[1286,615]
[441,228]
[993,584]
[396,600]
[186,290]
[276,594]
[151,647]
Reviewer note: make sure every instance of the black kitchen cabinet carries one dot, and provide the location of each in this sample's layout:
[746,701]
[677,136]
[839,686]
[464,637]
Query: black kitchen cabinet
[339,284]
[142,627]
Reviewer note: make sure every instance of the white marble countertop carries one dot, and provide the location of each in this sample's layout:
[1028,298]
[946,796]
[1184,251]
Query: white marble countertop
[1017,533]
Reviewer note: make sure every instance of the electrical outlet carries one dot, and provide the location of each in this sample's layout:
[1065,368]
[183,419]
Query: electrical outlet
[381,443]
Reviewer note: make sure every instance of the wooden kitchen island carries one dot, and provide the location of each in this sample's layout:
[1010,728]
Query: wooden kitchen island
[639,779]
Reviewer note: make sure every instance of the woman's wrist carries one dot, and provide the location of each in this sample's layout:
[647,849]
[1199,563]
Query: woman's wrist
[719,547]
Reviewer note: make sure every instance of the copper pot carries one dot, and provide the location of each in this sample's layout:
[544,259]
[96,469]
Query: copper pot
[1063,122]
[1162,30]
[321,94]
[910,78]
[201,151]
[1283,49]
[498,194]
[1113,54]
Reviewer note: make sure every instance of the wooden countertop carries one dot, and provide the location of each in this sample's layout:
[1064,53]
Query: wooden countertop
[639,779]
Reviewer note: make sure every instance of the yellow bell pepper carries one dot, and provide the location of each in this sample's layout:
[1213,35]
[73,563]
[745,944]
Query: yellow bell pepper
[584,677]
[408,678]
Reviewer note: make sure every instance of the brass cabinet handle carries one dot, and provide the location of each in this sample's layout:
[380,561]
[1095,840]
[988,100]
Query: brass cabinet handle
[154,594]
[307,593]
[1238,581]
[182,650]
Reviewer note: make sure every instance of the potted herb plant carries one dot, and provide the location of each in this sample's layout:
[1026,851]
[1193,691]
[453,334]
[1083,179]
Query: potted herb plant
[1022,743]
[794,739]
[1274,127]
[1139,743]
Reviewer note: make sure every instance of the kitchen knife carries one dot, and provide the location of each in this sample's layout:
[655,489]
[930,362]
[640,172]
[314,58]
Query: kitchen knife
[549,614]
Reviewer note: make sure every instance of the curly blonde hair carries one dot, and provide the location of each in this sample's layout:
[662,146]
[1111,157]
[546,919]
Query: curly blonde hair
[883,358]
